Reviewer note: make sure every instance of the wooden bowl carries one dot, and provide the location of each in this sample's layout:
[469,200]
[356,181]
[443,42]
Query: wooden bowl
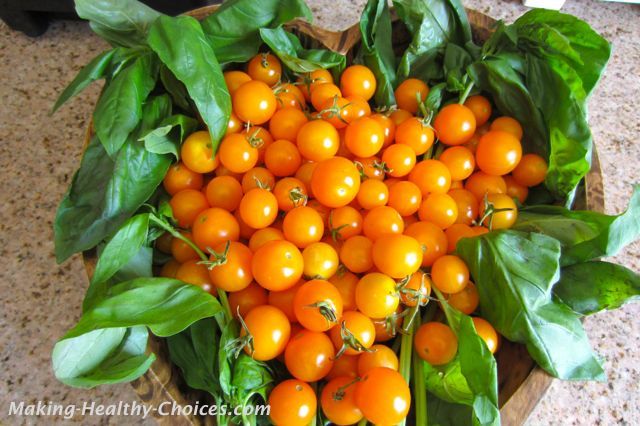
[521,384]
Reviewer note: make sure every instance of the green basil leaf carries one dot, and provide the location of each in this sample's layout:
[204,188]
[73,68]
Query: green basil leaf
[94,70]
[120,22]
[288,48]
[167,306]
[591,287]
[194,352]
[175,88]
[444,413]
[183,48]
[119,108]
[233,29]
[166,138]
[122,247]
[231,331]
[250,377]
[515,272]
[448,383]
[376,50]
[103,356]
[584,235]
[433,23]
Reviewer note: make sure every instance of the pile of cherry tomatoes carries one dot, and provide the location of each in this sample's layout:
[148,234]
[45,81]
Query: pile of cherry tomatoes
[326,220]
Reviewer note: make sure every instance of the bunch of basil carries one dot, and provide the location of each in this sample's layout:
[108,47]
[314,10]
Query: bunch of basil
[163,79]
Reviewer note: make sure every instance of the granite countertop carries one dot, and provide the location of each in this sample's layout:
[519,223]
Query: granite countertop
[39,153]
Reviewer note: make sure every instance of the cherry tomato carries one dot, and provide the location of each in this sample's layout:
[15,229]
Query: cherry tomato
[383,396]
[232,270]
[197,152]
[449,274]
[303,226]
[237,153]
[486,331]
[455,233]
[318,305]
[408,92]
[181,251]
[309,355]
[432,240]
[397,255]
[192,272]
[380,221]
[282,158]
[290,192]
[386,328]
[364,137]
[467,204]
[344,366]
[498,153]
[258,177]
[186,205]
[338,111]
[259,137]
[345,222]
[293,403]
[379,356]
[338,401]
[388,126]
[439,209]
[213,226]
[480,107]
[286,123]
[346,283]
[417,135]
[417,290]
[356,254]
[405,197]
[455,124]
[223,171]
[358,80]
[235,79]
[372,193]
[435,343]
[376,295]
[357,108]
[460,162]
[224,192]
[399,159]
[467,300]
[354,334]
[500,219]
[277,265]
[170,269]
[323,93]
[258,208]
[431,176]
[305,173]
[480,184]
[265,67]
[270,329]
[335,182]
[515,190]
[531,170]
[262,236]
[283,300]
[318,140]
[307,82]
[320,261]
[509,125]
[370,167]
[254,102]
[245,300]
[289,96]
[180,177]
[399,116]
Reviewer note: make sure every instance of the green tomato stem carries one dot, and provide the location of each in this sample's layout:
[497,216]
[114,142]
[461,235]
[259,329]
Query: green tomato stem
[419,386]
[406,348]
[466,92]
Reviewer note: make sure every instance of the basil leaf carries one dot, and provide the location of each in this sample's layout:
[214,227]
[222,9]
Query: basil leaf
[175,88]
[233,29]
[167,306]
[231,331]
[433,23]
[182,47]
[122,247]
[119,108]
[104,356]
[591,287]
[448,383]
[120,22]
[376,49]
[166,138]
[443,413]
[139,266]
[514,273]
[94,70]
[288,48]
[250,378]
[584,235]
[194,352]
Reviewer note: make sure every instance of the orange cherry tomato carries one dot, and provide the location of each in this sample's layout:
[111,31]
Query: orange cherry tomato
[234,125]
[435,343]
[399,116]
[292,403]
[500,219]
[358,80]
[399,160]
[467,300]
[282,158]
[408,92]
[258,177]
[197,152]
[213,226]
[415,134]
[380,221]
[515,190]
[181,251]
[246,299]
[265,67]
[254,102]
[397,255]
[338,401]
[307,82]
[364,137]
[356,254]
[259,137]
[455,124]
[283,300]
[289,96]
[345,222]
[460,162]
[302,226]
[486,331]
[323,93]
[498,153]
[180,177]
[335,182]
[237,153]
[286,123]
[309,355]
[371,167]
[277,265]
[431,176]
[376,295]
[481,184]
[480,107]
[258,208]
[305,173]
[449,274]
[318,140]
[372,193]
[170,269]
[405,197]
[432,240]
[235,79]
[345,282]
[379,356]
[467,204]
[354,334]
[317,305]
[509,125]
[417,290]
[455,233]
[270,329]
[388,127]
[383,396]
[186,205]
[231,269]
[262,236]
[194,273]
[531,170]
[320,261]
[439,209]
[290,192]
[224,192]
[344,366]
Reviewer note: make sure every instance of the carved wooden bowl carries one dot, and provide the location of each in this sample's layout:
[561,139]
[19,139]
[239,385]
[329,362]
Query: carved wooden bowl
[521,384]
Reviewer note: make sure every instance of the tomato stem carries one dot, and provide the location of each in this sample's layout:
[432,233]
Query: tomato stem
[467,91]
[419,387]
[406,349]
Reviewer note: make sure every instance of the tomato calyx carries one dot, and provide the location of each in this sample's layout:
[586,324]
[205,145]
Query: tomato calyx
[264,61]
[349,340]
[298,197]
[382,166]
[254,140]
[237,345]
[326,309]
[260,184]
[489,212]
[335,234]
[334,111]
[414,294]
[340,393]
[360,167]
[216,259]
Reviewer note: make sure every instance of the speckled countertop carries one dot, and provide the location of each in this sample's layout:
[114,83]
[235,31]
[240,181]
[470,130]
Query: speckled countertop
[38,154]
